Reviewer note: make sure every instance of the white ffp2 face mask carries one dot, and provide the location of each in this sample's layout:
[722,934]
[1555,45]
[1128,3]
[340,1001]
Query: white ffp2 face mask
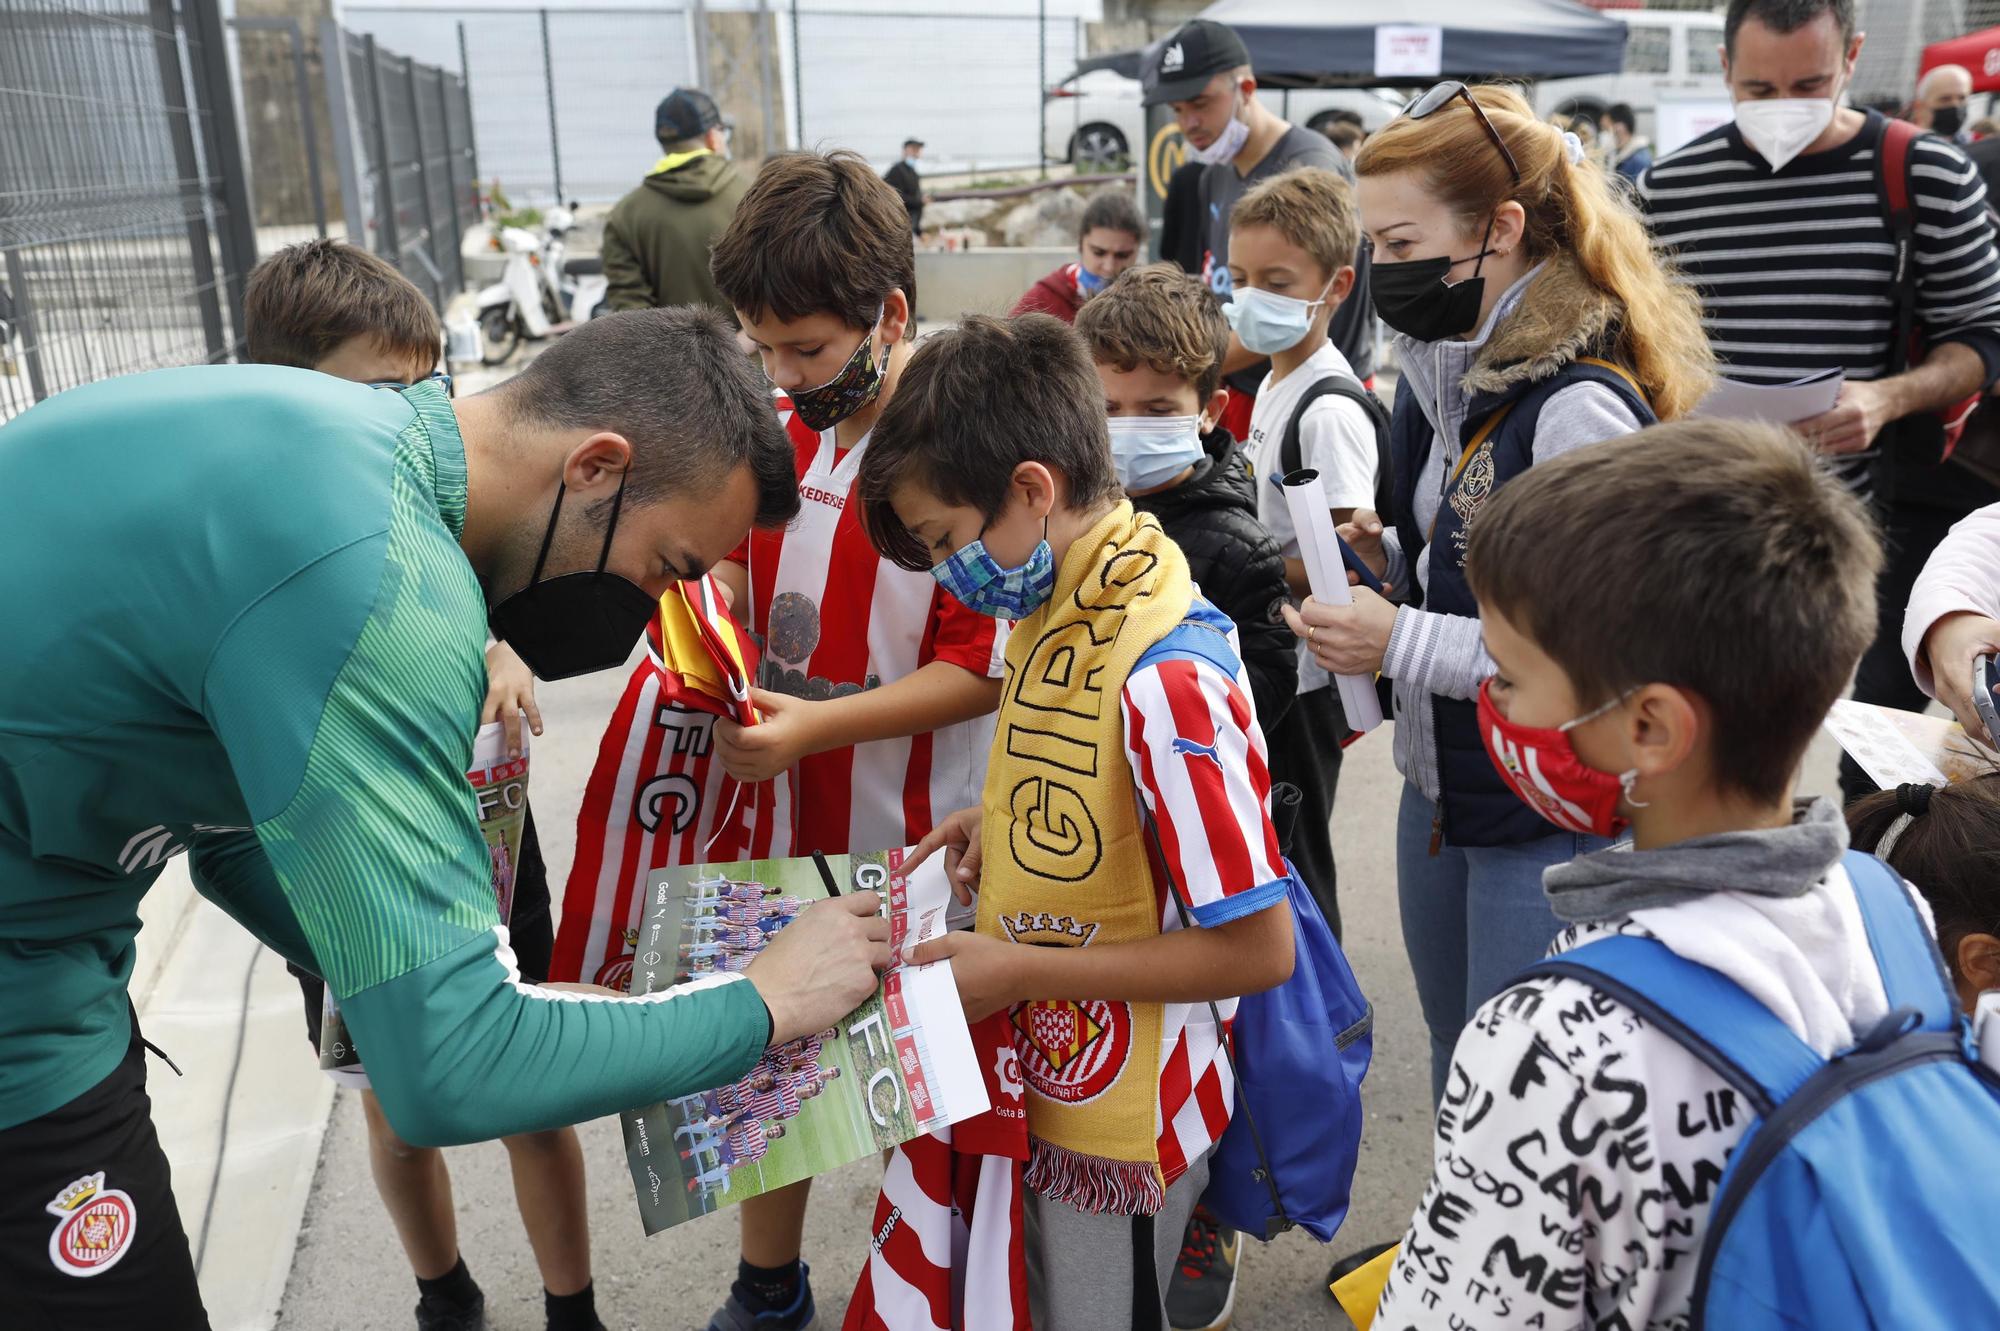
[1780,128]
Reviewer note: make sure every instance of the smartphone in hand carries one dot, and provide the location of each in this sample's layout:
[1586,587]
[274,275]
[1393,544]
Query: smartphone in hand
[1985,682]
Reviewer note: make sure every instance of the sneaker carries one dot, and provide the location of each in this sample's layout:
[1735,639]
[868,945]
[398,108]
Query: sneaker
[737,1314]
[434,1314]
[1203,1291]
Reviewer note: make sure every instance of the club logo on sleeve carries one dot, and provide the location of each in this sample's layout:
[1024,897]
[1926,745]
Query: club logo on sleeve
[1072,1052]
[95,1226]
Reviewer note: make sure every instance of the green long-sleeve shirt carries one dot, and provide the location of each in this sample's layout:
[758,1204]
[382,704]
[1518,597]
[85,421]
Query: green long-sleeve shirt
[235,620]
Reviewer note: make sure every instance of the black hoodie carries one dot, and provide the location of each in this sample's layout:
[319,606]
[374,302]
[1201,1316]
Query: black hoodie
[1238,565]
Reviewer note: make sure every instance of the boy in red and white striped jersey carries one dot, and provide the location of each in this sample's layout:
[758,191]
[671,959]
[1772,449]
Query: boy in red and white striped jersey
[876,685]
[1130,768]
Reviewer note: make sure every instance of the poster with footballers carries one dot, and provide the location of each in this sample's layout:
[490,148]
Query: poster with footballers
[898,1066]
[500,790]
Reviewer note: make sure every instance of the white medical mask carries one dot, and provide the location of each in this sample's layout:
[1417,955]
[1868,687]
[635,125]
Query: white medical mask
[1227,144]
[1780,128]
[1268,323]
[1149,451]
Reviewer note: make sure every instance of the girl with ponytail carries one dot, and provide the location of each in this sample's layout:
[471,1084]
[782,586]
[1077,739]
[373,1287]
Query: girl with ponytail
[1532,317]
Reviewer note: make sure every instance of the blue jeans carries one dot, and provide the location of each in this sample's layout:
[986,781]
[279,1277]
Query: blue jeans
[1472,917]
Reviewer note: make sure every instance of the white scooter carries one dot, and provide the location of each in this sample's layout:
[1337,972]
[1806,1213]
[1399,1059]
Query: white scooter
[540,292]
[580,282]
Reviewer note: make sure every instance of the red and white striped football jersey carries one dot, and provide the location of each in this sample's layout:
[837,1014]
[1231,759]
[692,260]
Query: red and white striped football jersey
[1199,758]
[949,1250]
[657,796]
[832,618]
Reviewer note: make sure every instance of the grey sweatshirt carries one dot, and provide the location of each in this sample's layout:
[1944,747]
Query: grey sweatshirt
[1438,654]
[1770,862]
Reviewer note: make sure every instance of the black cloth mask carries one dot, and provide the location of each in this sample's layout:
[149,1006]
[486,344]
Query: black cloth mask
[1413,298]
[1948,120]
[575,623]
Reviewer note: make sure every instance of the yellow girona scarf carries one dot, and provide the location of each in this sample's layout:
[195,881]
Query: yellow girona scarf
[1066,862]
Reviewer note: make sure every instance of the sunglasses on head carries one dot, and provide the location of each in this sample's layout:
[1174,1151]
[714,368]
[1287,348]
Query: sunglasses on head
[1443,95]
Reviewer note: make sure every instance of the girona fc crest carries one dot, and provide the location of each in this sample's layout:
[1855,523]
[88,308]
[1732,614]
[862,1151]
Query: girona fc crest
[615,973]
[1072,1053]
[95,1226]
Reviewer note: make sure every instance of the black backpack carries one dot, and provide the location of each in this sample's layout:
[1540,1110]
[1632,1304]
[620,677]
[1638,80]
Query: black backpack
[1347,386]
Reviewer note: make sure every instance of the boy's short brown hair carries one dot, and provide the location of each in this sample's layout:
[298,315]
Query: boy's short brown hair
[1716,556]
[1163,318]
[1309,206]
[308,298]
[975,402]
[816,233]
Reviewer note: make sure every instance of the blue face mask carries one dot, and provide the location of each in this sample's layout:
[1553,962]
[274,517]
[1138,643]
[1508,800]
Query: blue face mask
[1268,323]
[1089,283]
[1149,451]
[981,585]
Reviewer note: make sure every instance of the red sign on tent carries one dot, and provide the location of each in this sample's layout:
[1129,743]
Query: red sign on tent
[1977,51]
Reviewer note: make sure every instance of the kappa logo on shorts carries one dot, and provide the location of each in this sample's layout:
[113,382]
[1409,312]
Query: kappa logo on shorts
[95,1226]
[1073,1052]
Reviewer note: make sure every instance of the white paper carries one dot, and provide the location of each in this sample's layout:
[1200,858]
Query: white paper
[1896,748]
[1409,50]
[1780,404]
[1319,550]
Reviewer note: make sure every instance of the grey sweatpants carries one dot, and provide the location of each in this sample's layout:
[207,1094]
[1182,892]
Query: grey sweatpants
[1089,1272]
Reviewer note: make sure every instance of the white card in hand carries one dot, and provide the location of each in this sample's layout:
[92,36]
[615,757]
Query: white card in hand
[1319,550]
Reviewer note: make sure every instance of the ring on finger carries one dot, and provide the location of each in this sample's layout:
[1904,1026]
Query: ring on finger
[1309,637]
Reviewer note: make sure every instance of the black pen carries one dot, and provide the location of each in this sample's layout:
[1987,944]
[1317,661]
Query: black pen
[826,874]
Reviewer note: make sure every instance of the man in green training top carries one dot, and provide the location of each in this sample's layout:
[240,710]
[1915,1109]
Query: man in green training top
[246,617]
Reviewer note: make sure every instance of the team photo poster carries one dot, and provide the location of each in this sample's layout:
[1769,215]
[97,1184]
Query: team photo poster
[898,1065]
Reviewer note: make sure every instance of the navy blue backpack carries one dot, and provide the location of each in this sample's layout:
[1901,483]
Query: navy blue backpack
[1298,1052]
[1866,1191]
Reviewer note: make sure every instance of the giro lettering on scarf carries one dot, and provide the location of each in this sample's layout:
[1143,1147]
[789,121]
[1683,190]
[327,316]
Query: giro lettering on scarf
[658,794]
[1067,865]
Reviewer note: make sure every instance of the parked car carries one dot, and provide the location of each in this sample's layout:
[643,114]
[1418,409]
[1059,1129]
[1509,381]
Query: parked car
[1093,119]
[1664,50]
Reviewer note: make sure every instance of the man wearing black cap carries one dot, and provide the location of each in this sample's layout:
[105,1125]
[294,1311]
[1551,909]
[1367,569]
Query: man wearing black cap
[657,238]
[903,178]
[1203,72]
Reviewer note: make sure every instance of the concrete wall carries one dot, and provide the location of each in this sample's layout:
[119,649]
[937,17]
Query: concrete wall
[951,284]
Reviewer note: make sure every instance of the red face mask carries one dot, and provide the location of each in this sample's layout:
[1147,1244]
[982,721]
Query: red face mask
[1541,767]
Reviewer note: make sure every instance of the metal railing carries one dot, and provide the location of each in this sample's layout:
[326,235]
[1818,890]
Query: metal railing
[409,167]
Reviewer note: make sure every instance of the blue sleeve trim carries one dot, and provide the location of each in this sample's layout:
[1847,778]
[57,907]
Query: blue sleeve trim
[1240,904]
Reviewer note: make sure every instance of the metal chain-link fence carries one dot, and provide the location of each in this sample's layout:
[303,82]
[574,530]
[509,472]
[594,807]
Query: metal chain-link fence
[125,226]
[564,98]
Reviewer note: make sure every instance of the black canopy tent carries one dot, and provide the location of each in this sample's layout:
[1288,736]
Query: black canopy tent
[1330,44]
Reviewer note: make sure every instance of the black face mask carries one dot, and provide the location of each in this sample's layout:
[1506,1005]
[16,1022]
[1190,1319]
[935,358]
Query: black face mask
[575,623]
[1948,120]
[1413,299]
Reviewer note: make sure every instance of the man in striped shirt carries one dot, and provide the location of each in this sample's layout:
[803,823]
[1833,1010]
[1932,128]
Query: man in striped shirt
[1785,233]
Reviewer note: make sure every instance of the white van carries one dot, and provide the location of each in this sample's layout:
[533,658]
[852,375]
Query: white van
[1665,51]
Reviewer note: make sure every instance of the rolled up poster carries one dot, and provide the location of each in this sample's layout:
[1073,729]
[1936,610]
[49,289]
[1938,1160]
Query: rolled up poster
[1319,550]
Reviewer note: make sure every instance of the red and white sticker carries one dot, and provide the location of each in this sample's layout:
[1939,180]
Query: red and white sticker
[95,1225]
